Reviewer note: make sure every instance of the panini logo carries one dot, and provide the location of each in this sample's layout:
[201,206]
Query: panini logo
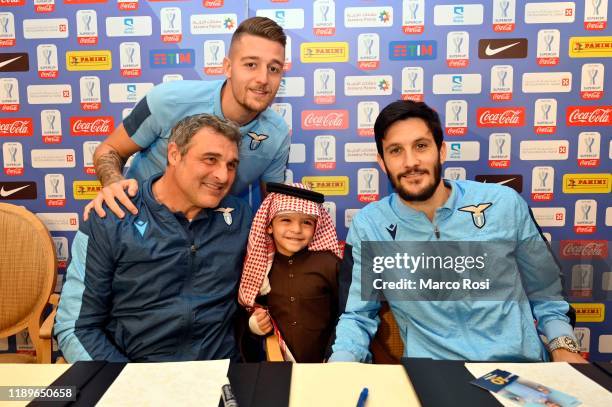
[586,183]
[86,189]
[332,185]
[591,312]
[100,60]
[163,58]
[411,50]
[313,52]
[590,47]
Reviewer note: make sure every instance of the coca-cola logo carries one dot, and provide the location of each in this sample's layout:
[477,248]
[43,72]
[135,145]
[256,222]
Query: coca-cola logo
[88,126]
[575,249]
[501,117]
[213,3]
[324,119]
[16,127]
[589,115]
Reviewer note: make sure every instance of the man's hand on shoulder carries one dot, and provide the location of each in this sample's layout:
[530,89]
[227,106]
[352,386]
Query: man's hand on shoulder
[564,355]
[112,195]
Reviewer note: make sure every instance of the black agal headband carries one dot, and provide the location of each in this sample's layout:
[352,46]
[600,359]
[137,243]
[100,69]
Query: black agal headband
[296,192]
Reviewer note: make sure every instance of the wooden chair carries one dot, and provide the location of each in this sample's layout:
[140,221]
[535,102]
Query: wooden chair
[28,270]
[387,347]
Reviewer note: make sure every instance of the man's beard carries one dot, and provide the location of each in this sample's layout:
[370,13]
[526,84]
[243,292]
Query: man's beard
[252,106]
[425,194]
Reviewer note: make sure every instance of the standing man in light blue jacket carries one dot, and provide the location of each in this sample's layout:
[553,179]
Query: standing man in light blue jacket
[520,298]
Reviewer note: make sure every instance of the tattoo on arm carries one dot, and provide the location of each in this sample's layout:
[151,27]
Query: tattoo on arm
[108,167]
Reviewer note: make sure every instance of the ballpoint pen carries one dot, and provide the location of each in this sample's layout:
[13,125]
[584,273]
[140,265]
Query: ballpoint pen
[362,397]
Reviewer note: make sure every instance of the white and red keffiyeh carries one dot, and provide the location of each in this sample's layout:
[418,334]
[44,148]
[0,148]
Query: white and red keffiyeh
[261,249]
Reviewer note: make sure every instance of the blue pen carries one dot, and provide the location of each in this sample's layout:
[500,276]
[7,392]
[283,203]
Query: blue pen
[362,397]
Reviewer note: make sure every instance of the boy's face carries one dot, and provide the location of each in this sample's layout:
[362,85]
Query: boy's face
[292,232]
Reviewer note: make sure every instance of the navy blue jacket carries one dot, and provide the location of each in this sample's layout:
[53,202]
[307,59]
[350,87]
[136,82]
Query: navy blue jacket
[154,286]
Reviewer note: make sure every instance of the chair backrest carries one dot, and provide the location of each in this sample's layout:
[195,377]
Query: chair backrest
[28,267]
[273,351]
[387,346]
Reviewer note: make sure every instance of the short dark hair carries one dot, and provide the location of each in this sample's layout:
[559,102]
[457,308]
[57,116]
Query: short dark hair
[260,27]
[403,110]
[186,128]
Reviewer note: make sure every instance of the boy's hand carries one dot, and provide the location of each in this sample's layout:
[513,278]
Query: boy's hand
[263,320]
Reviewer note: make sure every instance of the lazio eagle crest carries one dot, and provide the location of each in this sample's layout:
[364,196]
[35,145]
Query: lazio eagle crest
[227,214]
[256,139]
[477,211]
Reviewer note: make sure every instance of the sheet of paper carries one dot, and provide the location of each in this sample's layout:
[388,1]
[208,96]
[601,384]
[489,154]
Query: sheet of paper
[168,384]
[339,384]
[16,374]
[560,376]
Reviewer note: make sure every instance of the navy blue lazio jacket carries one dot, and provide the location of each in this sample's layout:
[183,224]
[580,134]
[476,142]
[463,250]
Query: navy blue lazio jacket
[154,286]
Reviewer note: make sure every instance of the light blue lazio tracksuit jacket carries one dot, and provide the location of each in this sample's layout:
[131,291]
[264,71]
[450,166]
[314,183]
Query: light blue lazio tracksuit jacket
[265,140]
[503,329]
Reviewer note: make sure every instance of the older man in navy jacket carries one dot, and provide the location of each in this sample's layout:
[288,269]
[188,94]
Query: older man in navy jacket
[161,285]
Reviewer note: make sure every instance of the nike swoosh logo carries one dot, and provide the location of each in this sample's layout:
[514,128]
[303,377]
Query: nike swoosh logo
[493,51]
[4,193]
[501,182]
[8,61]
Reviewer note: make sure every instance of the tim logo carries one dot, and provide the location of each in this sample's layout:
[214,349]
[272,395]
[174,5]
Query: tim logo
[411,50]
[160,58]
